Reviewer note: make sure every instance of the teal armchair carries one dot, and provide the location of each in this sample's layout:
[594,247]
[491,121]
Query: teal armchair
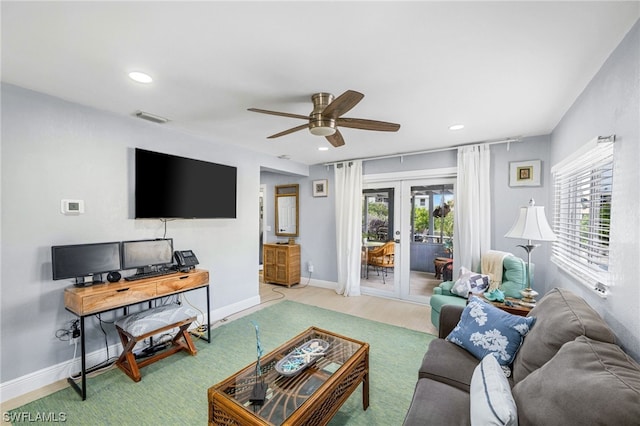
[514,279]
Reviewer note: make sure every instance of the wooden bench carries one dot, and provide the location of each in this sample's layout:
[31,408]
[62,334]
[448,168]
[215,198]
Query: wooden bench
[142,325]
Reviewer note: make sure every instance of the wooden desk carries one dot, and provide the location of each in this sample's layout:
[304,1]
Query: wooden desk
[95,299]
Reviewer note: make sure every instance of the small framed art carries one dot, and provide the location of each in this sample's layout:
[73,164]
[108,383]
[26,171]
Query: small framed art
[524,173]
[320,188]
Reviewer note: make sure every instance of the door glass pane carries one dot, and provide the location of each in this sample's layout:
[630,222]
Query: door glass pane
[377,229]
[431,246]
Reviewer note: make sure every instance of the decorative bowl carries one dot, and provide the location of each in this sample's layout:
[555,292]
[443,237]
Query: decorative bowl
[302,357]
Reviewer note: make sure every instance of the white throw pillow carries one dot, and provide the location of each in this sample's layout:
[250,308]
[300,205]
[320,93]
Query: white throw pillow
[490,394]
[470,282]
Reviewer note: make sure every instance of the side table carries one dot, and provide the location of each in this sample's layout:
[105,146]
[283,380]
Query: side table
[515,308]
[439,264]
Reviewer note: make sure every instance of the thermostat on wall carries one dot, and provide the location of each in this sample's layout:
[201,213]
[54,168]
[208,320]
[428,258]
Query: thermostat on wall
[72,207]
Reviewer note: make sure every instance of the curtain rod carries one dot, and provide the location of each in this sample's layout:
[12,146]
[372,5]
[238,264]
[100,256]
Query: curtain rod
[428,151]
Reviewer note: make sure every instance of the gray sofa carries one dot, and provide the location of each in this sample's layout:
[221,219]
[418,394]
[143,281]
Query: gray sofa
[568,371]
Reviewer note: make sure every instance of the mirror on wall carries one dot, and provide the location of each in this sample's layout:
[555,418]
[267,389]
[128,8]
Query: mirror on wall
[287,210]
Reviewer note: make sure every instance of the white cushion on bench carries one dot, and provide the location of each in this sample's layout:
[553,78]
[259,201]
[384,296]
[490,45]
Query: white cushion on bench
[153,319]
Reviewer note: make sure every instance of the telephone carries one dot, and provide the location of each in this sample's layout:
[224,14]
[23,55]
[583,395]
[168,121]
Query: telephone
[186,259]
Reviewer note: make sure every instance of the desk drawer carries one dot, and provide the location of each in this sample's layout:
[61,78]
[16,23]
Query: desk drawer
[182,282]
[115,298]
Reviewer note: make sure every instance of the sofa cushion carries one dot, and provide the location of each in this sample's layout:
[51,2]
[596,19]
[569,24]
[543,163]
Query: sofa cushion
[435,403]
[485,329]
[586,382]
[448,363]
[490,395]
[514,276]
[561,316]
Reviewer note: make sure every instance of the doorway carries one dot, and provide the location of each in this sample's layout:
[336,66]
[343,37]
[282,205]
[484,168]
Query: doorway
[418,216]
[430,248]
[378,229]
[262,219]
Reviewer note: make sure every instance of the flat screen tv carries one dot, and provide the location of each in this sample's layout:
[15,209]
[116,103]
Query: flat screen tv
[85,261]
[168,186]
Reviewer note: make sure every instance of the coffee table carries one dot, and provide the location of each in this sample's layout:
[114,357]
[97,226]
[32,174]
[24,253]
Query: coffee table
[312,397]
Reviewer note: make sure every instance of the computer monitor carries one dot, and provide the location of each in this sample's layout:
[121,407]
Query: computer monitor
[85,262]
[147,255]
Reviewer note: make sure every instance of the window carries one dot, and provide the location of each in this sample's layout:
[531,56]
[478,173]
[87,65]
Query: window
[582,214]
[377,216]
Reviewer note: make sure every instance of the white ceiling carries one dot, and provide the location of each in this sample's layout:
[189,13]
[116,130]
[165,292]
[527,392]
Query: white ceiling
[504,69]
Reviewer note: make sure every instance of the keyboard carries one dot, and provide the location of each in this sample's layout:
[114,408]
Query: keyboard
[151,274]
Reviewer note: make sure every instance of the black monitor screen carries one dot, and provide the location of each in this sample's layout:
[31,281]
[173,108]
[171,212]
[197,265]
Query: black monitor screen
[146,253]
[82,260]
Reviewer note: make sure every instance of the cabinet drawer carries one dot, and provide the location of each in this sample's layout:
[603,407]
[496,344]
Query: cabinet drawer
[182,282]
[120,297]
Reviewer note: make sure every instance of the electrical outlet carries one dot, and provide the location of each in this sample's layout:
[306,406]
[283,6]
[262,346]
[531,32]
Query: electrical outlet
[310,267]
[74,341]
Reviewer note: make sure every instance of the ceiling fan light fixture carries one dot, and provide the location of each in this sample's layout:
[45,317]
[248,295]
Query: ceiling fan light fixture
[322,130]
[321,126]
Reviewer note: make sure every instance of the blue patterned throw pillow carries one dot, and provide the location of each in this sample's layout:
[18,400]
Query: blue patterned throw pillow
[484,329]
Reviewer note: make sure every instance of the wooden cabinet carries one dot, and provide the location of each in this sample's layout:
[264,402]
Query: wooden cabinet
[281,263]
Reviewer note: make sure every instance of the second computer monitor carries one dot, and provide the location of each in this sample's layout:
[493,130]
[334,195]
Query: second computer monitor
[147,255]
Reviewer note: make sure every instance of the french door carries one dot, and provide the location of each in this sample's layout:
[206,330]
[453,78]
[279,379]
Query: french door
[417,215]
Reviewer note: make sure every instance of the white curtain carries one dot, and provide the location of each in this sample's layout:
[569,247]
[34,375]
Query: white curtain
[348,183]
[472,234]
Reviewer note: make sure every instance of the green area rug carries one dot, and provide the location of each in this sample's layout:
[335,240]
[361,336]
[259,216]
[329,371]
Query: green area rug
[174,391]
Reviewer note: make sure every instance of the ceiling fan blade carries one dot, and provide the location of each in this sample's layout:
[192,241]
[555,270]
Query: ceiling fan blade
[342,104]
[286,132]
[361,123]
[336,139]
[282,114]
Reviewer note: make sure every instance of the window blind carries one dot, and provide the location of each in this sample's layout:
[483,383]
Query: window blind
[582,215]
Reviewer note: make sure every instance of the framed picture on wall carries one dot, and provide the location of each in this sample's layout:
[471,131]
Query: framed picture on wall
[320,188]
[524,173]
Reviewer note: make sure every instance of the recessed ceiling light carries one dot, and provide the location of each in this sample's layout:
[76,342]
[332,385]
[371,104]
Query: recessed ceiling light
[323,148]
[140,77]
[456,127]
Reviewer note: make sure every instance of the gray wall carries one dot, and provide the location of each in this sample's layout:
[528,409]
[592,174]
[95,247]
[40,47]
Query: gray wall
[506,201]
[317,221]
[610,104]
[53,149]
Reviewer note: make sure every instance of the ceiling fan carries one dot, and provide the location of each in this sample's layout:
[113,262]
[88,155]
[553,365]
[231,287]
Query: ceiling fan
[327,116]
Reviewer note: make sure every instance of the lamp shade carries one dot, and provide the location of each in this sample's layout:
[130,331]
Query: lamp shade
[531,225]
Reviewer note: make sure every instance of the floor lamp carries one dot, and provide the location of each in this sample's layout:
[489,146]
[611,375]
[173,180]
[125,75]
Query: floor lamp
[531,225]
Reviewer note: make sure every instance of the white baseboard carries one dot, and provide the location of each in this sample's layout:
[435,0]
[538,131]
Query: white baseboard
[229,310]
[323,284]
[47,376]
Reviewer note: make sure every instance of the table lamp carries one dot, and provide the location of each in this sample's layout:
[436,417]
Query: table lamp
[531,225]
